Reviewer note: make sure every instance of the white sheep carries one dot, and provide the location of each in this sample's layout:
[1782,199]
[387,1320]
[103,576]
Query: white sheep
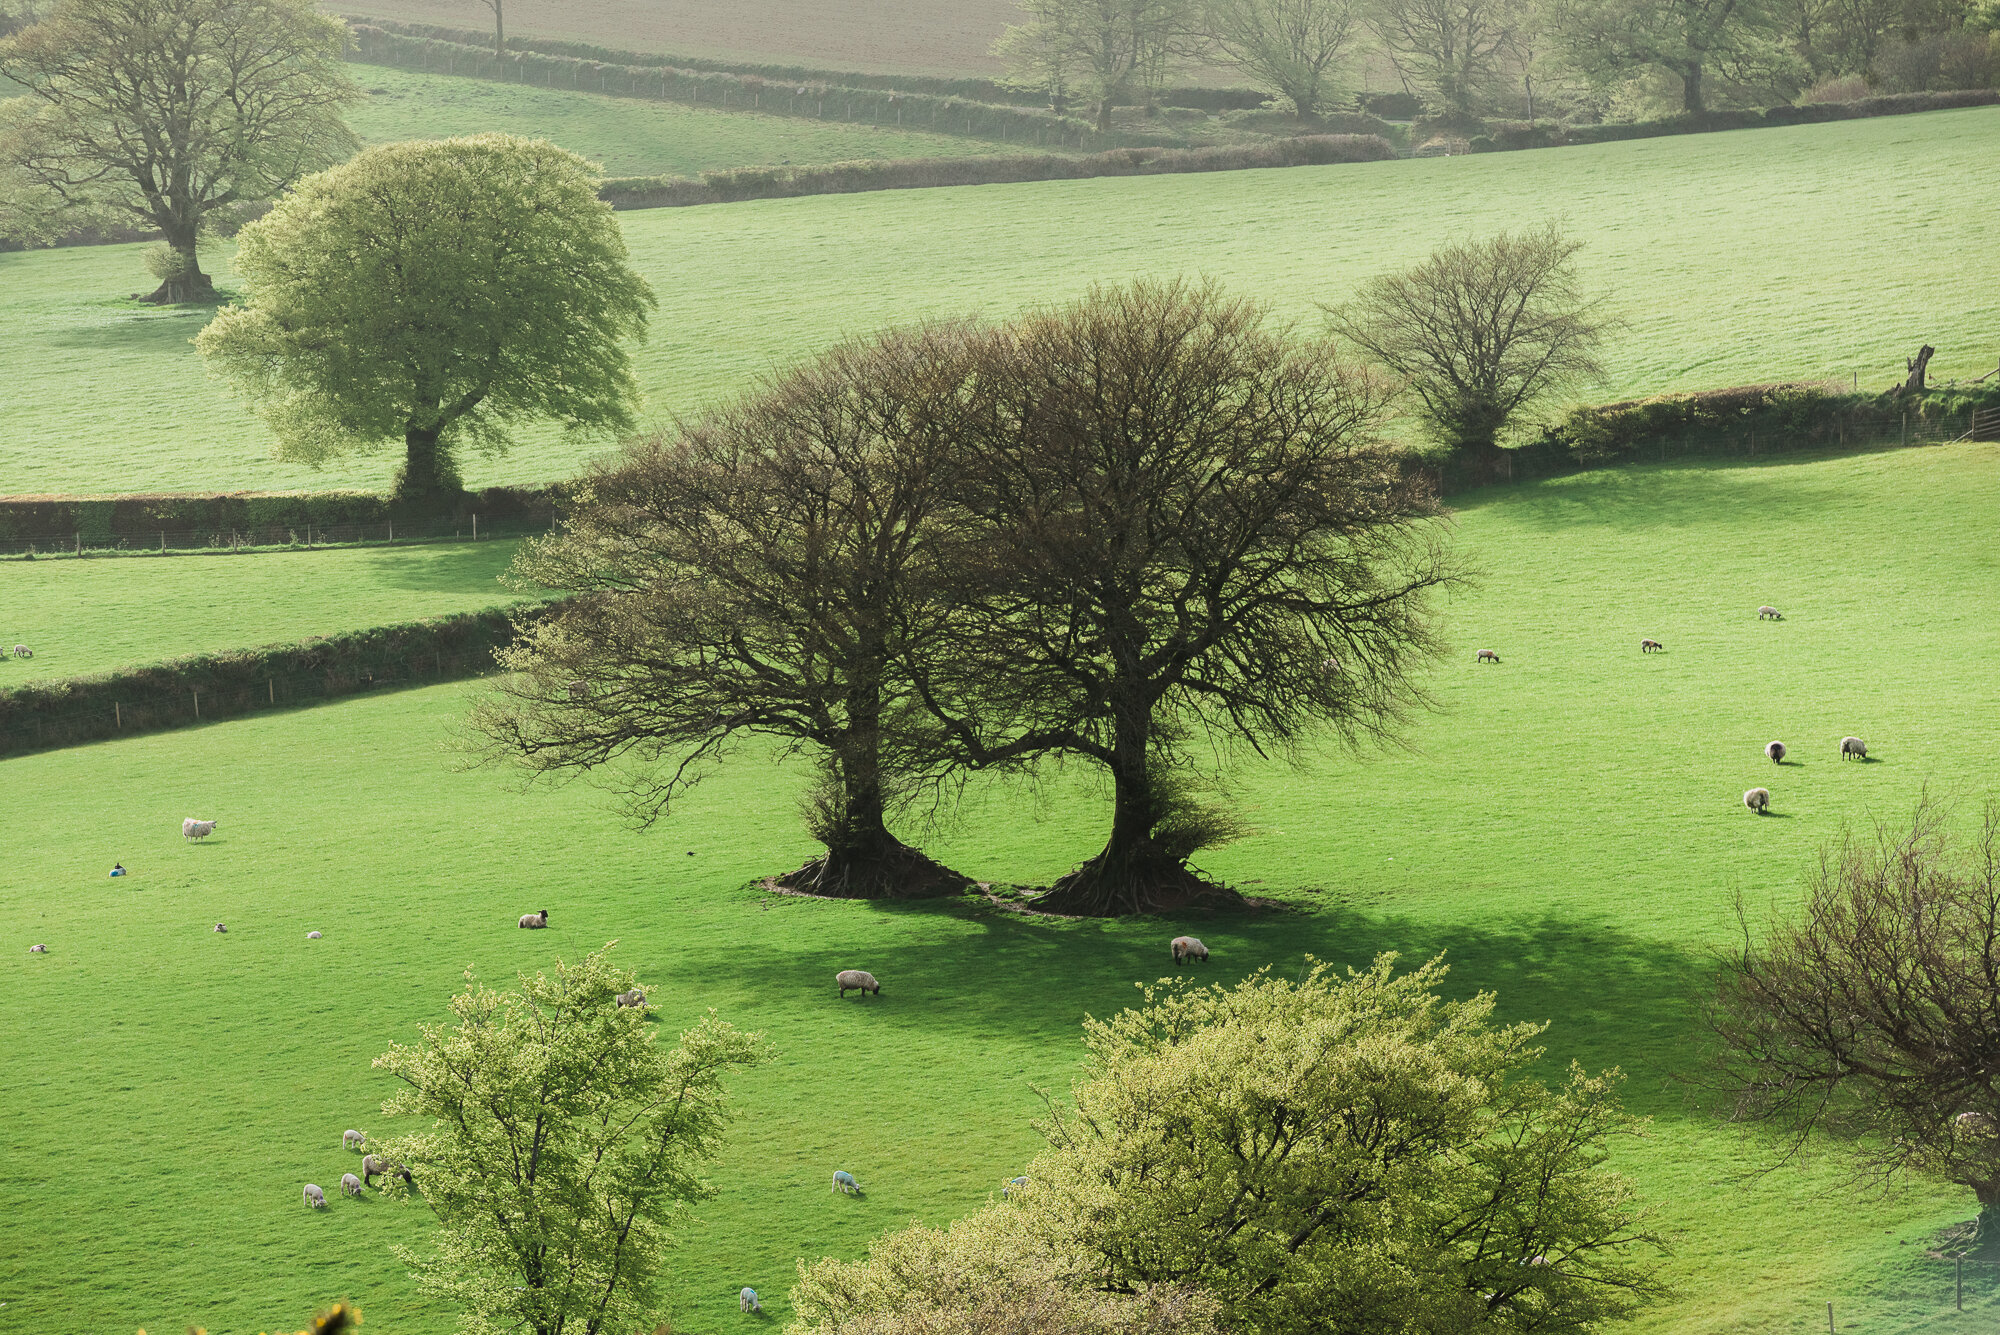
[312,936]
[1775,750]
[220,928]
[1769,614]
[856,980]
[1758,800]
[197,829]
[1012,1185]
[633,998]
[38,949]
[1853,746]
[1650,646]
[539,918]
[352,1140]
[315,1197]
[746,1301]
[844,1181]
[23,651]
[350,1185]
[1486,656]
[1189,948]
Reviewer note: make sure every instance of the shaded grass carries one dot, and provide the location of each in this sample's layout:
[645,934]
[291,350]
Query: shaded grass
[1566,831]
[1735,258]
[630,136]
[99,613]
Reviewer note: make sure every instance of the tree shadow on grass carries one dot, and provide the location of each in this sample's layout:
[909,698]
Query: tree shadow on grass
[1723,492]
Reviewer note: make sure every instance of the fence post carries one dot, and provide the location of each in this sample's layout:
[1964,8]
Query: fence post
[272,682]
[1961,1283]
[1829,1319]
[79,543]
[475,528]
[197,701]
[163,542]
[392,530]
[118,717]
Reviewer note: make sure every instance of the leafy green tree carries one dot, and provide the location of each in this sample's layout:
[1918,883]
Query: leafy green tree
[1342,1154]
[1104,51]
[562,1142]
[170,114]
[1612,40]
[436,294]
[1297,48]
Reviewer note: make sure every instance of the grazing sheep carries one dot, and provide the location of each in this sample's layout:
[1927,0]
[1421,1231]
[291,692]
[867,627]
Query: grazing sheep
[539,918]
[312,936]
[844,1181]
[23,651]
[1650,646]
[1013,1185]
[1189,948]
[352,1140]
[1486,656]
[373,1165]
[315,1197]
[1758,800]
[220,928]
[350,1185]
[856,980]
[1769,614]
[118,869]
[38,949]
[1853,746]
[633,998]
[197,829]
[1775,750]
[747,1301]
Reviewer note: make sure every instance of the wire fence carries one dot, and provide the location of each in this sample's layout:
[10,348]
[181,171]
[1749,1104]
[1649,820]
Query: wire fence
[267,537]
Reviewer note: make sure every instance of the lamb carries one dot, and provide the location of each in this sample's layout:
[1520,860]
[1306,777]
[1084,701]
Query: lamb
[857,980]
[38,949]
[315,1197]
[1853,746]
[220,928]
[1775,750]
[1650,646]
[350,1185]
[633,998]
[1769,614]
[844,1181]
[23,651]
[1189,948]
[352,1140]
[539,918]
[746,1301]
[197,829]
[1758,800]
[374,1164]
[1486,656]
[1013,1185]
[312,936]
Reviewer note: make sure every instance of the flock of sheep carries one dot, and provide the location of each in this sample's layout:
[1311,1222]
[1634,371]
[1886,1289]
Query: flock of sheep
[372,1167]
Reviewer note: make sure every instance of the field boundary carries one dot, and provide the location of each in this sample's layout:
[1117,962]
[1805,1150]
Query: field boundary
[204,688]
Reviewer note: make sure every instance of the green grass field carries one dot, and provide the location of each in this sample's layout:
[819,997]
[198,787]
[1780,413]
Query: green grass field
[1758,255]
[99,613]
[1567,828]
[630,136]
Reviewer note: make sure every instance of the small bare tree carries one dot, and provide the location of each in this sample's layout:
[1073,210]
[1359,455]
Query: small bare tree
[1876,1014]
[1481,330]
[1178,528]
[762,573]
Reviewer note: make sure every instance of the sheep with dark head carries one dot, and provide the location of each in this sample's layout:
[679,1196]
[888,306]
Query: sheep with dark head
[1758,800]
[1486,656]
[1769,614]
[1188,949]
[857,980]
[539,918]
[1775,750]
[1650,646]
[1853,746]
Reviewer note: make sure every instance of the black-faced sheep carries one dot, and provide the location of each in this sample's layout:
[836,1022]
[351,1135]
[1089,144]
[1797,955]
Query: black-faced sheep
[1189,948]
[1486,656]
[38,949]
[197,829]
[1758,800]
[315,1198]
[1650,646]
[350,1185]
[856,980]
[1853,746]
[844,1181]
[747,1301]
[1775,750]
[220,927]
[374,1165]
[539,918]
[1769,614]
[352,1140]
[633,998]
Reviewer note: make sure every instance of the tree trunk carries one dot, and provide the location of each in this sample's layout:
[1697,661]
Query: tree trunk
[428,479]
[1691,89]
[1104,105]
[499,30]
[1133,874]
[1918,367]
[189,283]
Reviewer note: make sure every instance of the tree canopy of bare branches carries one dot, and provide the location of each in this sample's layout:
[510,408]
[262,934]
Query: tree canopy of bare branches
[1450,50]
[172,113]
[1102,50]
[759,574]
[1298,48]
[1177,527]
[1875,1014]
[1480,330]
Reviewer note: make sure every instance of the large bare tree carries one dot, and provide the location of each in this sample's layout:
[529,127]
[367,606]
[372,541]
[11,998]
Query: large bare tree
[1875,1013]
[1450,51]
[172,113]
[761,574]
[1104,50]
[1178,528]
[1298,48]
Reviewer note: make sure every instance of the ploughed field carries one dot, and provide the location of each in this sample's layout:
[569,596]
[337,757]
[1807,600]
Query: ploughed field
[1568,828]
[91,615]
[1746,257]
[630,136]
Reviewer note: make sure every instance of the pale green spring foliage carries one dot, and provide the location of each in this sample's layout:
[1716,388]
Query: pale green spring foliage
[561,1142]
[1343,1153]
[456,287]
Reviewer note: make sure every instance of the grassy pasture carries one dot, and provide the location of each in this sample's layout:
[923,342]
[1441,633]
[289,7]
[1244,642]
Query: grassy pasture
[99,613]
[1735,258]
[1567,827]
[630,136]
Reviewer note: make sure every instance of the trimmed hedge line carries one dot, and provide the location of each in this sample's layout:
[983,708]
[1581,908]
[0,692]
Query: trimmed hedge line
[740,183]
[184,692]
[969,89]
[137,518]
[1510,135]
